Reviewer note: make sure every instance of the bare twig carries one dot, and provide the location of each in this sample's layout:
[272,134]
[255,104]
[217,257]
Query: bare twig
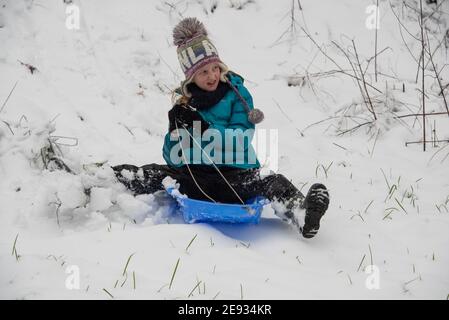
[340,146]
[442,90]
[168,66]
[363,91]
[374,57]
[9,126]
[374,145]
[443,39]
[375,41]
[9,95]
[432,141]
[331,118]
[174,273]
[292,28]
[288,118]
[436,10]
[405,42]
[439,150]
[126,127]
[31,68]
[436,72]
[55,138]
[58,205]
[363,258]
[399,20]
[364,83]
[420,114]
[341,70]
[355,128]
[423,96]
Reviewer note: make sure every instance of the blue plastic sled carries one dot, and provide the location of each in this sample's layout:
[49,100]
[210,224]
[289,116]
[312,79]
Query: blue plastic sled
[194,211]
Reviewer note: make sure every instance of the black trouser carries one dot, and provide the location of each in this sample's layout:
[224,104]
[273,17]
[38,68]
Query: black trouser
[246,182]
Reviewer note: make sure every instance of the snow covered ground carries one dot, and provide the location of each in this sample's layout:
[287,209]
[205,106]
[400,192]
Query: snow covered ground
[102,92]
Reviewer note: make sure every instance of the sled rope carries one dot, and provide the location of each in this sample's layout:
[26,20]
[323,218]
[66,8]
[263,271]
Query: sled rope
[188,167]
[218,170]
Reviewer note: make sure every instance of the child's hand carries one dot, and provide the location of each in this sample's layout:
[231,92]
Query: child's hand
[184,118]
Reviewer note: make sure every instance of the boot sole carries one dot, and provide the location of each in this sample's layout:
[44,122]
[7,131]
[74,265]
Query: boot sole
[316,204]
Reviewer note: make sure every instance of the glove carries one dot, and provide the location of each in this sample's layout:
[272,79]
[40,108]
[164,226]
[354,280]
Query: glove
[184,118]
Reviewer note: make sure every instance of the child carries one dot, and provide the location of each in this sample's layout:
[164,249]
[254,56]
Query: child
[215,104]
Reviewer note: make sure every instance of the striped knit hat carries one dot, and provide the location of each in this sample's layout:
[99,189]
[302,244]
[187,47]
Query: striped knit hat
[195,50]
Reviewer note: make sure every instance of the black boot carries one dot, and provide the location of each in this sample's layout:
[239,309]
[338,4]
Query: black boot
[316,204]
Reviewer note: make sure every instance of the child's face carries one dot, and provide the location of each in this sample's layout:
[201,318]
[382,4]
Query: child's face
[208,77]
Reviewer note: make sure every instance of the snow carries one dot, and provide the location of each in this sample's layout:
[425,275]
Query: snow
[100,97]
[169,182]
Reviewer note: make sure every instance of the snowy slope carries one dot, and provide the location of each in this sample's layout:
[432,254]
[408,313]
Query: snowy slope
[104,90]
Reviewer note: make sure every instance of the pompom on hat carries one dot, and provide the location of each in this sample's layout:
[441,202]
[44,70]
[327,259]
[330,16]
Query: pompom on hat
[195,50]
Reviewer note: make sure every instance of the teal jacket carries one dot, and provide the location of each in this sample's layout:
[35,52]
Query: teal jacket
[227,141]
